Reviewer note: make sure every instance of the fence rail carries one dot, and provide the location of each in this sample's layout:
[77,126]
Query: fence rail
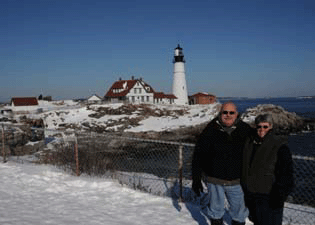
[158,167]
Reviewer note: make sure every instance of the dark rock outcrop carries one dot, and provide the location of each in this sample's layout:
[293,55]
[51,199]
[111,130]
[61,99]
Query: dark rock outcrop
[284,122]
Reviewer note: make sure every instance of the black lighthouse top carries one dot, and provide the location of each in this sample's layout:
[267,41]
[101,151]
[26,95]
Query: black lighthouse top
[178,56]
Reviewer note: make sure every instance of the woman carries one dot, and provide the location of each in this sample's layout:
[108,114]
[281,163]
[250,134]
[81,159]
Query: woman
[267,173]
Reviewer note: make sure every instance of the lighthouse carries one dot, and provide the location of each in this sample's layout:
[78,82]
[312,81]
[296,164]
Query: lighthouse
[179,78]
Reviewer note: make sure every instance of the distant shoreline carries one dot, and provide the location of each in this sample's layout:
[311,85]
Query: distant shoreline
[252,98]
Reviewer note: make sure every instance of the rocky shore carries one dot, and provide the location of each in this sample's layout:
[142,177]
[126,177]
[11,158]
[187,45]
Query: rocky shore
[285,123]
[19,138]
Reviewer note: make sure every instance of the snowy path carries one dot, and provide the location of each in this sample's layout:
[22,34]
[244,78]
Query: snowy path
[32,194]
[38,194]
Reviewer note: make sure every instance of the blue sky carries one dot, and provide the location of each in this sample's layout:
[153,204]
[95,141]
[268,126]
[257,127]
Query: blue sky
[73,49]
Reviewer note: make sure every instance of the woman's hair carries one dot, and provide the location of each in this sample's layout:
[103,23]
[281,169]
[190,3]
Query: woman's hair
[264,118]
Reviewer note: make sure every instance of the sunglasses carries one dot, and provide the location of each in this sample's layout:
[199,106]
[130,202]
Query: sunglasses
[265,127]
[228,112]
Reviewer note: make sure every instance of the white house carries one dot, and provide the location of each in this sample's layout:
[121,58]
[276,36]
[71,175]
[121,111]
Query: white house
[94,99]
[24,104]
[136,91]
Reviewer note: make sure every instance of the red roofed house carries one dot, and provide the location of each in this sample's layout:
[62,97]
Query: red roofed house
[136,91]
[27,101]
[24,104]
[202,98]
[160,97]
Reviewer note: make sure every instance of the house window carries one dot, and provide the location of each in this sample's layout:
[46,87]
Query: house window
[135,90]
[142,98]
[148,98]
[133,98]
[139,90]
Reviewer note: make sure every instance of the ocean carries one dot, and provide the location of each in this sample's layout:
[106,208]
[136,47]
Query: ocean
[300,144]
[304,107]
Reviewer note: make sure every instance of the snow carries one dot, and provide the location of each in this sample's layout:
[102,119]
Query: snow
[194,115]
[33,194]
[40,194]
[55,113]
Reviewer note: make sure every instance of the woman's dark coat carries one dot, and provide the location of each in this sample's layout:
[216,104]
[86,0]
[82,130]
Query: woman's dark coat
[267,168]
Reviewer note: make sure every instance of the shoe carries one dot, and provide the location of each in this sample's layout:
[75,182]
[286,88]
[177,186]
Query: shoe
[216,221]
[237,223]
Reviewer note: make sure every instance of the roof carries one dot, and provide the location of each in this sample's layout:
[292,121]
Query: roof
[199,94]
[24,101]
[170,96]
[126,85]
[120,85]
[95,95]
[178,47]
[162,95]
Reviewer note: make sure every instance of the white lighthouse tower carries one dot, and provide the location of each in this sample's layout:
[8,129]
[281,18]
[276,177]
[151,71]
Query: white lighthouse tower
[179,79]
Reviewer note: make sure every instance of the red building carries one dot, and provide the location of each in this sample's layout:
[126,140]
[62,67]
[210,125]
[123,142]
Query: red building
[202,98]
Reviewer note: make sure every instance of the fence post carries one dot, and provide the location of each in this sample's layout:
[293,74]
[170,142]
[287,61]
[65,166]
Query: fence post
[3,149]
[76,157]
[180,171]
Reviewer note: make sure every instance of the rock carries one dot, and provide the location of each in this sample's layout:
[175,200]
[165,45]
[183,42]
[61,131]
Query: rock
[27,149]
[309,124]
[284,122]
[185,135]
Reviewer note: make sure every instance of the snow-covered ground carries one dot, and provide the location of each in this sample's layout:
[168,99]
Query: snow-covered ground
[167,117]
[33,194]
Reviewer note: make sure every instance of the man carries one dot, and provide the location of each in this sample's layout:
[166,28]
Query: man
[217,156]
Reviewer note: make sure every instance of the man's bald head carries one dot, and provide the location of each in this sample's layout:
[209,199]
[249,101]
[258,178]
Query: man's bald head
[228,113]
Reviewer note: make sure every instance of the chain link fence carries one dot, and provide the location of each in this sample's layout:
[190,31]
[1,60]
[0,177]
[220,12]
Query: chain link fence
[148,165]
[158,167]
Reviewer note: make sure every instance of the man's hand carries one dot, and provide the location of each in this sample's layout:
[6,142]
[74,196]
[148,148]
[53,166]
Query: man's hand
[197,187]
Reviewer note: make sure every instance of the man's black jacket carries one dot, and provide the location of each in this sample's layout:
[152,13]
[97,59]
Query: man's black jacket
[218,154]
